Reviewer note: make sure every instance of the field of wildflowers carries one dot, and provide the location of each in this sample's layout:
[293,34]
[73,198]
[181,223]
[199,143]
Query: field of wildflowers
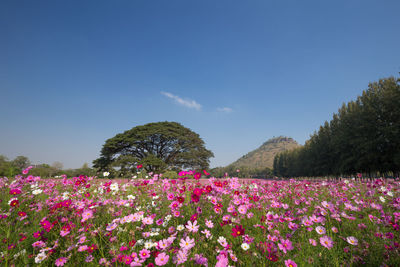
[194,222]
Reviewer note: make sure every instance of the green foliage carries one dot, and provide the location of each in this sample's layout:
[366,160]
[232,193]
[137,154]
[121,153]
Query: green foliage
[364,136]
[21,162]
[170,175]
[241,172]
[12,168]
[158,146]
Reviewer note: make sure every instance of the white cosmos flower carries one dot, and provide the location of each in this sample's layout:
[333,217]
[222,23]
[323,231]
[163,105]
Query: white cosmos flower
[245,246]
[381,198]
[114,187]
[180,227]
[131,197]
[106,174]
[390,194]
[37,191]
[40,257]
[148,244]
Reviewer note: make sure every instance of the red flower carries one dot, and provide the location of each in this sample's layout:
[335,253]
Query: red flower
[197,191]
[205,172]
[132,243]
[237,231]
[208,188]
[180,199]
[197,175]
[195,198]
[272,257]
[21,213]
[14,203]
[139,166]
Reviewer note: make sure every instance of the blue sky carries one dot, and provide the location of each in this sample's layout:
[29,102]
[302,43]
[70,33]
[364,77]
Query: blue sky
[75,73]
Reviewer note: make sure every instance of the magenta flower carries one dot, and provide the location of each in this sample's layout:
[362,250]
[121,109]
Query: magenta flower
[144,253]
[290,263]
[161,259]
[326,241]
[61,261]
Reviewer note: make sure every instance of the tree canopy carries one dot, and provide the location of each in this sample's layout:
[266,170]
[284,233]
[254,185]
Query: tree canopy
[363,137]
[157,146]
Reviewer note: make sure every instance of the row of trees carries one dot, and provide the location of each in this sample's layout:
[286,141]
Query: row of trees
[363,137]
[10,168]
[241,172]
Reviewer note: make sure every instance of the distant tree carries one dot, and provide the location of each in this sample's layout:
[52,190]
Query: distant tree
[43,170]
[21,162]
[57,165]
[158,146]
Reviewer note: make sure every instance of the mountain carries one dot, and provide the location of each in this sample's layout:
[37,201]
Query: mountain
[264,155]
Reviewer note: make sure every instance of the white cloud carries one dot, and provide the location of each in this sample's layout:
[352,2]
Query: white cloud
[184,102]
[225,109]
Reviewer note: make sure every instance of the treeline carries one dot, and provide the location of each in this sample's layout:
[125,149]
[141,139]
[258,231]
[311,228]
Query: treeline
[10,168]
[362,137]
[241,172]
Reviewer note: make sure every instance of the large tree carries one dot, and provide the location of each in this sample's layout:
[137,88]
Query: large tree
[158,146]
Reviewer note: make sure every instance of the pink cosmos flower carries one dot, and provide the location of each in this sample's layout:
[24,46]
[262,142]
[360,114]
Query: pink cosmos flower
[312,242]
[64,232]
[148,220]
[290,263]
[82,248]
[39,244]
[181,256]
[285,245]
[242,209]
[326,241]
[209,224]
[207,233]
[111,227]
[87,214]
[352,240]
[320,230]
[222,261]
[187,243]
[161,259]
[192,227]
[61,261]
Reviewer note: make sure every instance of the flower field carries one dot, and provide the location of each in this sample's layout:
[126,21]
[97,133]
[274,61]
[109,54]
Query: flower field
[198,222]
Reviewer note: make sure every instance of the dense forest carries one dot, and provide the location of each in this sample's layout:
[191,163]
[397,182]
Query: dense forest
[362,137]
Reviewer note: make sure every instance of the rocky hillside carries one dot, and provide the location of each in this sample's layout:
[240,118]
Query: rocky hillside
[264,155]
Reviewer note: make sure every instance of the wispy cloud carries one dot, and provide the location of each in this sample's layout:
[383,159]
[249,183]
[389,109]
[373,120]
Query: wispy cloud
[184,102]
[225,109]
